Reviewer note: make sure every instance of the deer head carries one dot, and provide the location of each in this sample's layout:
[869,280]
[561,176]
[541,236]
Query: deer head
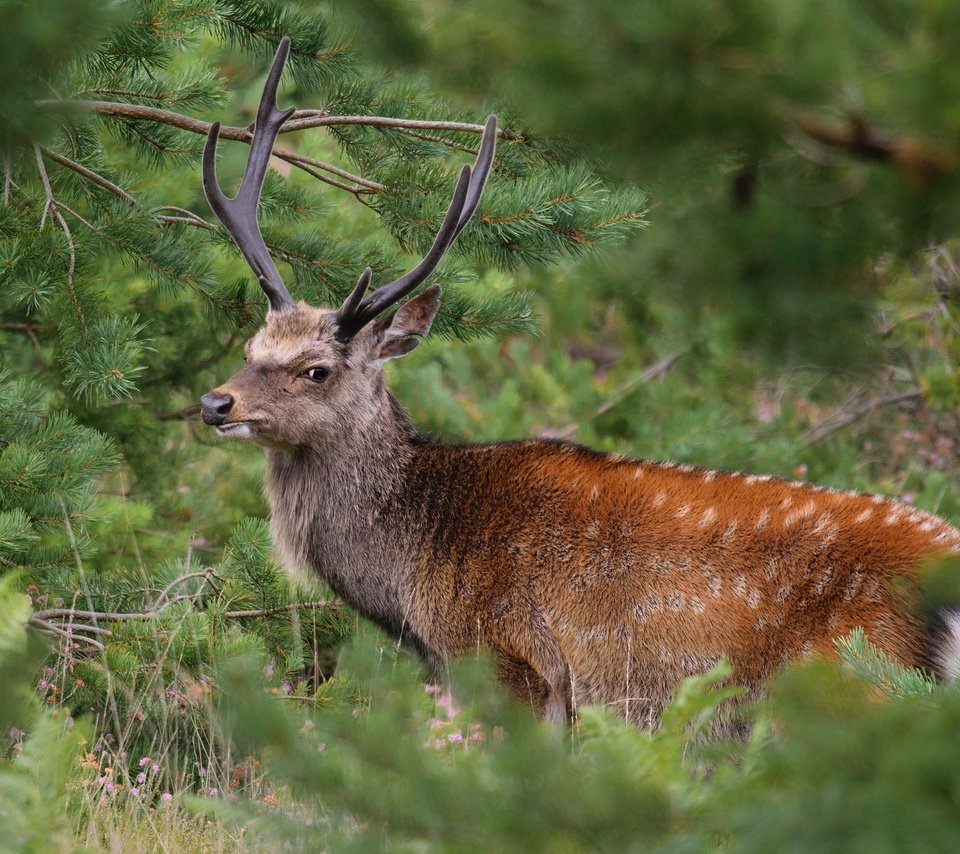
[315,372]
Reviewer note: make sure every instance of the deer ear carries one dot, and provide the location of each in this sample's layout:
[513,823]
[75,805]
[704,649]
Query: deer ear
[398,333]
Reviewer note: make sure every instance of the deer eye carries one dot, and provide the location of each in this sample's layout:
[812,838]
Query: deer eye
[317,375]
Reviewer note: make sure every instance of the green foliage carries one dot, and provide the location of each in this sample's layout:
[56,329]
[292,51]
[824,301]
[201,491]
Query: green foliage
[840,769]
[787,145]
[849,772]
[873,665]
[416,771]
[33,786]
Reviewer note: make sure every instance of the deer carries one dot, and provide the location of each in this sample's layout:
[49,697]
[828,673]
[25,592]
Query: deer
[590,578]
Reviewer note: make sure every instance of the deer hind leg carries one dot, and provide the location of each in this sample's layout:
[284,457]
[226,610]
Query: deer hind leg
[550,698]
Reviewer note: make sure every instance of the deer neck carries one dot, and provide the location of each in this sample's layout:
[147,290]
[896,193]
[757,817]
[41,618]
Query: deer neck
[330,504]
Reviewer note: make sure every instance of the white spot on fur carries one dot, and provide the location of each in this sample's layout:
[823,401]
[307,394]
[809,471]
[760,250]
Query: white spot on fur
[799,514]
[709,476]
[753,599]
[708,518]
[674,601]
[730,532]
[661,563]
[659,498]
[686,468]
[682,510]
[740,586]
[762,520]
[853,584]
[696,605]
[714,585]
[863,515]
[594,492]
[823,581]
[786,503]
[783,594]
[638,472]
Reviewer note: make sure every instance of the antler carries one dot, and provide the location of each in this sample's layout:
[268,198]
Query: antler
[239,214]
[354,314]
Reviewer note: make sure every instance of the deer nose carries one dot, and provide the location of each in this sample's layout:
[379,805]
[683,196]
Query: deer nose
[215,407]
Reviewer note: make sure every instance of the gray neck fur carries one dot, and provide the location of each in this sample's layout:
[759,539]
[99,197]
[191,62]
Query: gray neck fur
[334,511]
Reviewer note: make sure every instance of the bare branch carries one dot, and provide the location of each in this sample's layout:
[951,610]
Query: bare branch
[185,215]
[74,631]
[18,326]
[648,374]
[185,414]
[283,609]
[89,174]
[50,628]
[111,616]
[844,416]
[52,205]
[300,120]
[7,176]
[204,574]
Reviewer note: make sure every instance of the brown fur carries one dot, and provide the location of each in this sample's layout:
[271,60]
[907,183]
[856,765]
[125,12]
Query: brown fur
[592,578]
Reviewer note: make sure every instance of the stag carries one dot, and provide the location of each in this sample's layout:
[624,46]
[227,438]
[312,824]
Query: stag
[590,577]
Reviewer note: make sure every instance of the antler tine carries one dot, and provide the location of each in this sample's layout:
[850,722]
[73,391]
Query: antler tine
[239,214]
[353,315]
[481,171]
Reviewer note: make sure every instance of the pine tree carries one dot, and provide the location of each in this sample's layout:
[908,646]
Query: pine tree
[122,301]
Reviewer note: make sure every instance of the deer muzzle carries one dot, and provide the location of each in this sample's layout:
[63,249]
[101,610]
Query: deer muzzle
[215,406]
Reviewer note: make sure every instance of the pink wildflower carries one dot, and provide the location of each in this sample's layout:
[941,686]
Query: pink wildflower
[143,761]
[134,792]
[455,737]
[141,777]
[166,796]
